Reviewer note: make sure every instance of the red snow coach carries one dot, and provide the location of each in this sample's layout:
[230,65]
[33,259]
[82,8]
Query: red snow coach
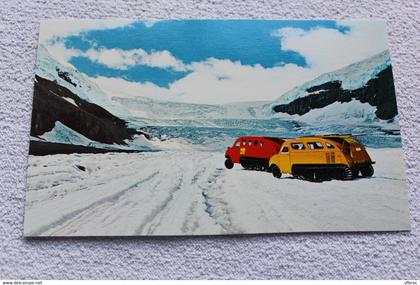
[252,152]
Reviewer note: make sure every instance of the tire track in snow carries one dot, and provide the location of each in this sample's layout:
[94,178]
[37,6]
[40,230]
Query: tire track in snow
[135,204]
[268,208]
[101,213]
[184,204]
[234,201]
[74,214]
[215,207]
[150,218]
[195,217]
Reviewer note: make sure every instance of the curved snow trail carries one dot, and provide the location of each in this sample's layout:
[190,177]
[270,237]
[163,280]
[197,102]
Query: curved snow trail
[191,193]
[118,194]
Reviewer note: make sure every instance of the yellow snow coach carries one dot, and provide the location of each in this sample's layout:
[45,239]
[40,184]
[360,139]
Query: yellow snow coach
[318,158]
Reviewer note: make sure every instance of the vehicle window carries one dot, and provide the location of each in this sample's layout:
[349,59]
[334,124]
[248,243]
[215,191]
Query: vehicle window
[256,143]
[285,149]
[261,144]
[329,145]
[298,146]
[243,142]
[315,145]
[238,143]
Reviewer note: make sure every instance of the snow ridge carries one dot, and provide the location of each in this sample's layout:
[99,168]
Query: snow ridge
[352,77]
[49,68]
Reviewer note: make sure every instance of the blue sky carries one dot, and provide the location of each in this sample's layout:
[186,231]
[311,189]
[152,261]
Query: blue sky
[248,42]
[139,73]
[209,61]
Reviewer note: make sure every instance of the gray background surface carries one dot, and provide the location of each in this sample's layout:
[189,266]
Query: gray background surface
[291,256]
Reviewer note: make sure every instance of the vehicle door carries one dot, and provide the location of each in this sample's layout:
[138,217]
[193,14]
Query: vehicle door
[235,150]
[332,155]
[284,159]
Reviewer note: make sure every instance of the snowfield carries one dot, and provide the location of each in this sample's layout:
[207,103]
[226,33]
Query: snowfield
[191,193]
[183,187]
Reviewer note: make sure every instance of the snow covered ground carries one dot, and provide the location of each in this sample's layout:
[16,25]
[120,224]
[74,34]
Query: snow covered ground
[191,193]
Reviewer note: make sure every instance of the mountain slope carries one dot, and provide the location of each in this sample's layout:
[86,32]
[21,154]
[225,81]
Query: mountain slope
[70,109]
[49,68]
[368,81]
[54,103]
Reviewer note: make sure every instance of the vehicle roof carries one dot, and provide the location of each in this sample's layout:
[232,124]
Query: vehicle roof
[331,138]
[259,137]
[275,139]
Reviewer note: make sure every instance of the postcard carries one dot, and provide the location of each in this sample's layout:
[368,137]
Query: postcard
[214,127]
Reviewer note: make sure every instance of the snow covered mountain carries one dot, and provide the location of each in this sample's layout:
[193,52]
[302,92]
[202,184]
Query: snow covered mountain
[70,109]
[60,116]
[49,68]
[363,91]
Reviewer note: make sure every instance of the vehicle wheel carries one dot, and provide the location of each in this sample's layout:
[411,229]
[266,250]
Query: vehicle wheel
[244,165]
[228,164]
[367,171]
[276,171]
[348,173]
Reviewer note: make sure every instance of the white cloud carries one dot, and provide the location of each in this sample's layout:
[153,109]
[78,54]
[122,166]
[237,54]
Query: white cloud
[214,82]
[118,58]
[67,27]
[123,59]
[62,54]
[114,58]
[118,87]
[221,81]
[63,28]
[329,49]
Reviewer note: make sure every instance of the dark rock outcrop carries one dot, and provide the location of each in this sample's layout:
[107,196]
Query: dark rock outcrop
[378,91]
[88,119]
[65,76]
[48,148]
